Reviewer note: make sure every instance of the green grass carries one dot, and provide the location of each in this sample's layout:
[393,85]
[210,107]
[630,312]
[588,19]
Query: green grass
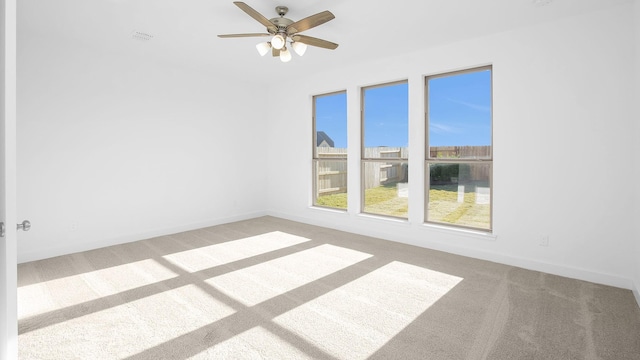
[443,204]
[379,200]
[384,200]
[444,207]
[338,201]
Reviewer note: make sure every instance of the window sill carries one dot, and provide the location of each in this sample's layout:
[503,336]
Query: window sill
[450,230]
[328,209]
[382,218]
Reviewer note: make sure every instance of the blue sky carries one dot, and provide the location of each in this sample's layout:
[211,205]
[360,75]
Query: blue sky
[459,113]
[460,109]
[386,116]
[331,117]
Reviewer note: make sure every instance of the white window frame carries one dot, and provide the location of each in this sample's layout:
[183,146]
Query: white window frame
[429,160]
[318,157]
[364,159]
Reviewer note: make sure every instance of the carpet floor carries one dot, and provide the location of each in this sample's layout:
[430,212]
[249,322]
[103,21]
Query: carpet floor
[269,288]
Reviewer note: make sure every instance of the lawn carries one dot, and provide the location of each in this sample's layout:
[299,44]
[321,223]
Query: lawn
[447,205]
[444,204]
[379,200]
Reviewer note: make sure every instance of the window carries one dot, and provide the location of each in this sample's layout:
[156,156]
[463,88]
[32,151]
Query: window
[459,149]
[385,120]
[330,150]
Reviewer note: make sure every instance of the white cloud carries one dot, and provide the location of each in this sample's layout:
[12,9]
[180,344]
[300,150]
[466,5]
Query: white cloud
[441,128]
[483,108]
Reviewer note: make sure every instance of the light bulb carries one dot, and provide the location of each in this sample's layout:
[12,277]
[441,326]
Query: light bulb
[285,55]
[263,48]
[299,47]
[278,42]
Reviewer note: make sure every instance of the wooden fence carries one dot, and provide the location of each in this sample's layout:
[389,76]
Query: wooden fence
[332,167]
[331,171]
[460,152]
[377,173]
[474,173]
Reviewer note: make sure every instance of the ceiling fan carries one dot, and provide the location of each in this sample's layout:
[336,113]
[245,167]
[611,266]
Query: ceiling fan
[283,31]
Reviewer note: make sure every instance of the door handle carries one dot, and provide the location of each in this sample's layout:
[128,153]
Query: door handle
[25,225]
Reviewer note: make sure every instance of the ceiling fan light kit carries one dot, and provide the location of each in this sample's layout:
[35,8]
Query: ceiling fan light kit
[263,48]
[285,55]
[299,47]
[285,31]
[278,42]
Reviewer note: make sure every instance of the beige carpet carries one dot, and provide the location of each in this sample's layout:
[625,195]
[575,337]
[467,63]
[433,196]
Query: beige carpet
[268,288]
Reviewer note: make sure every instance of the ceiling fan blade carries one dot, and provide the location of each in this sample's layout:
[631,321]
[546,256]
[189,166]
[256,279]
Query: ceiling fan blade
[275,52]
[256,15]
[242,35]
[315,42]
[310,22]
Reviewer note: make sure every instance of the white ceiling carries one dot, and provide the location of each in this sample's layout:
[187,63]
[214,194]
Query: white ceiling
[184,31]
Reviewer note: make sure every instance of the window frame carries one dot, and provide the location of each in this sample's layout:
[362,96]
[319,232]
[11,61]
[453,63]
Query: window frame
[315,157]
[429,160]
[364,159]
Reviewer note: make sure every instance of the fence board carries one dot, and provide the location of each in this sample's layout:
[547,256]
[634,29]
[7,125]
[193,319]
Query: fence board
[331,176]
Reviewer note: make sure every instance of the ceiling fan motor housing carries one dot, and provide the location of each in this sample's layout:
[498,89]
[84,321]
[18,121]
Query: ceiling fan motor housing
[281,23]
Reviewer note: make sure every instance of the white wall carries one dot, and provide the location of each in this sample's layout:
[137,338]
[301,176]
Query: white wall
[115,147]
[562,114]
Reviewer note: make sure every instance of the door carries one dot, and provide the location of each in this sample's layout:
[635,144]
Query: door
[8,249]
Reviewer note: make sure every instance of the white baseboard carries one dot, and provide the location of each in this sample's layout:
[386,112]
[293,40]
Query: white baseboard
[85,246]
[530,264]
[561,270]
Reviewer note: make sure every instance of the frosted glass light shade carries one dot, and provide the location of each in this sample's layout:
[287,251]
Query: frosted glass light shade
[285,55]
[263,48]
[277,42]
[299,48]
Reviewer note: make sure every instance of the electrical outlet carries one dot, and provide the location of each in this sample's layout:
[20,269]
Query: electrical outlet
[544,240]
[73,226]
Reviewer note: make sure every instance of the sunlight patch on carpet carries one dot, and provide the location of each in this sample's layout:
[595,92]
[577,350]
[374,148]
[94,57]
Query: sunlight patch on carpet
[256,343]
[126,329]
[357,319]
[214,255]
[264,281]
[51,295]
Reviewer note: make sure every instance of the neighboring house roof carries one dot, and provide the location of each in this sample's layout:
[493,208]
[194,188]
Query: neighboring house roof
[321,136]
